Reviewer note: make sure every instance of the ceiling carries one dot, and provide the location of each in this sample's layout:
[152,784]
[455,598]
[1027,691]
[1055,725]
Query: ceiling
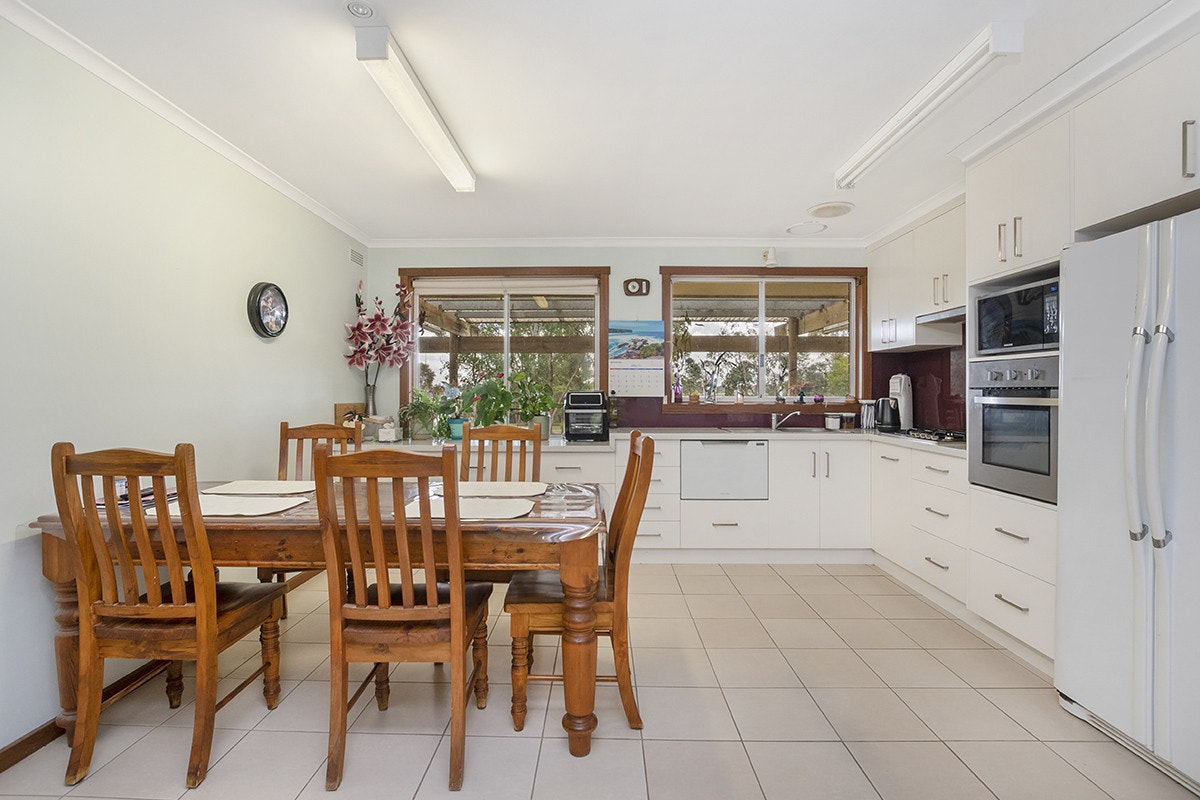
[627,120]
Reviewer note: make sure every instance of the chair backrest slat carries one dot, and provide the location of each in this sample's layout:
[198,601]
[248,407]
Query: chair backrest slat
[482,448]
[627,511]
[339,438]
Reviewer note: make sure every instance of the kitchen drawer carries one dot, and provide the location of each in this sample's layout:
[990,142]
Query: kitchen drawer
[1009,599]
[663,480]
[578,467]
[939,511]
[661,507]
[731,524]
[939,469]
[939,562]
[655,535]
[666,453]
[1015,532]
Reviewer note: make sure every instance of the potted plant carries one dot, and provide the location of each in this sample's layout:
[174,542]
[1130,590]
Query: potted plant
[533,401]
[436,411]
[491,400]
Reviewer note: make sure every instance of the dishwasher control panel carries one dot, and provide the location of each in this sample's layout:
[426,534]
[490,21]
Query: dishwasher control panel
[723,469]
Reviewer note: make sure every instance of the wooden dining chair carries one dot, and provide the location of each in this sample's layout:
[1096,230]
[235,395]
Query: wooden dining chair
[482,449]
[535,604]
[134,600]
[296,446]
[389,613]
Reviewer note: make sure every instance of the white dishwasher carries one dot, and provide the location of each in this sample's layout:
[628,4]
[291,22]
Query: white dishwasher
[723,469]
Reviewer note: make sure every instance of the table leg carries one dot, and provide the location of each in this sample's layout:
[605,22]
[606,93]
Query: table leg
[56,567]
[579,572]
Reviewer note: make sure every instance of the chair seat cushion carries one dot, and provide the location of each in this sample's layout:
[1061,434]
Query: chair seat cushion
[232,598]
[419,631]
[544,587]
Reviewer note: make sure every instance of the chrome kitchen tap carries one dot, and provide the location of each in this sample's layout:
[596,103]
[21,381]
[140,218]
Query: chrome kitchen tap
[776,421]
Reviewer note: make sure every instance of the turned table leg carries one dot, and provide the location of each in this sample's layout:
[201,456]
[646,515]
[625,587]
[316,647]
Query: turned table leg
[578,568]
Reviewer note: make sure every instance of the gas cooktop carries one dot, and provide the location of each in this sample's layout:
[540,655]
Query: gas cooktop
[937,434]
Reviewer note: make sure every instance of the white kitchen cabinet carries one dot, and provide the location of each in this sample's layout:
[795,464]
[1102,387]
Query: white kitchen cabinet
[842,470]
[938,562]
[937,503]
[794,514]
[659,527]
[898,288]
[890,284]
[889,500]
[1018,211]
[940,262]
[723,524]
[1135,142]
[1013,601]
[570,464]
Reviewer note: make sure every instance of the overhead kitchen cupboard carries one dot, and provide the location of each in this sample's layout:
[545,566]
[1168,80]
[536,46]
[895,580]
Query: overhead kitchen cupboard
[915,273]
[1019,203]
[1135,142]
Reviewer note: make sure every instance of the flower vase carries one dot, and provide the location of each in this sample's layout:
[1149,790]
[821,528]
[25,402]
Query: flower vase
[370,401]
[456,426]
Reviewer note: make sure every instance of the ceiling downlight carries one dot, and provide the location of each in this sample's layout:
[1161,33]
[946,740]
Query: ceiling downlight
[807,228]
[834,208]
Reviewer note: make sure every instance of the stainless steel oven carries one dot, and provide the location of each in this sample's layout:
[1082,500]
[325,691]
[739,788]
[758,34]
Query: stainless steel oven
[1012,426]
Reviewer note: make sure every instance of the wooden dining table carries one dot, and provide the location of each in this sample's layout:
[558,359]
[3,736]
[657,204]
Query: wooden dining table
[562,531]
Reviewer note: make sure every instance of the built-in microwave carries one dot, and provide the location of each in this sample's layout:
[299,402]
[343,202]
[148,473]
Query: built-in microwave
[1018,320]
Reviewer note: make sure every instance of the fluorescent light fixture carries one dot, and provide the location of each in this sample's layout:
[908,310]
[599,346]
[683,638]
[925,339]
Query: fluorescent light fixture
[380,54]
[998,39]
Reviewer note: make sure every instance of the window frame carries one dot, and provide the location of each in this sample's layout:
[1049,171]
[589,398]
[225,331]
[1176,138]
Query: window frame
[859,352]
[407,275]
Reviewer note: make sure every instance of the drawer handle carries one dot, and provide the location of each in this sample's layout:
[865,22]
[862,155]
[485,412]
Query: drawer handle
[725,524]
[1005,600]
[652,508]
[641,535]
[890,458]
[935,469]
[556,466]
[656,480]
[998,529]
[941,514]
[936,564]
[1189,148]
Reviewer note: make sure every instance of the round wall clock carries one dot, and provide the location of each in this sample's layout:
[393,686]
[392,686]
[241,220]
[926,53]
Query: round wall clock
[268,309]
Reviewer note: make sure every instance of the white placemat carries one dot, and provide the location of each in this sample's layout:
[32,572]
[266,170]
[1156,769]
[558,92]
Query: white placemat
[263,487]
[501,488]
[231,505]
[475,508]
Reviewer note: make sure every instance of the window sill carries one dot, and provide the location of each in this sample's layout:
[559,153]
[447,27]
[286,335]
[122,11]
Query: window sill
[758,408]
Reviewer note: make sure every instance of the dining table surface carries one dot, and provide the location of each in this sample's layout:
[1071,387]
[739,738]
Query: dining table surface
[562,530]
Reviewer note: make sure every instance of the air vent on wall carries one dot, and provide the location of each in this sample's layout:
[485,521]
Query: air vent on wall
[357,257]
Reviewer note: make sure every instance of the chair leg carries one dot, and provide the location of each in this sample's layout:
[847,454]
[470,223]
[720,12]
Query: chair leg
[268,637]
[87,720]
[479,653]
[338,697]
[620,646]
[458,718]
[520,668]
[175,683]
[383,688]
[202,725]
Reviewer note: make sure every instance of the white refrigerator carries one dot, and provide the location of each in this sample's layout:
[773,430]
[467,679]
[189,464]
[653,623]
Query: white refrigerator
[1127,651]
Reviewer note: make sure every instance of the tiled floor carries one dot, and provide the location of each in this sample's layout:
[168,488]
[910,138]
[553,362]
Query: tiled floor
[754,681]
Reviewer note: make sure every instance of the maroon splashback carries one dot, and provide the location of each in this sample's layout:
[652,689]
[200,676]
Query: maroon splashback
[939,381]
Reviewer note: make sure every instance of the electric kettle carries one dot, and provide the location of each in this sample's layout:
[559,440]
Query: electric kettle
[887,415]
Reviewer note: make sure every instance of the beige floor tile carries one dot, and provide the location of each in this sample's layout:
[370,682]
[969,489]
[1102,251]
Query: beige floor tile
[412,708]
[802,633]
[613,770]
[496,768]
[778,606]
[899,606]
[962,715]
[873,585]
[714,606]
[989,668]
[808,771]
[651,569]
[752,667]
[1043,775]
[41,774]
[671,713]
[1038,711]
[496,719]
[245,711]
[1119,772]
[941,634]
[296,660]
[761,584]
[611,722]
[842,606]
[698,569]
[691,770]
[778,715]
[306,602]
[309,628]
[748,569]
[379,766]
[789,570]
[658,605]
[706,584]
[816,584]
[832,669]
[672,666]
[910,668]
[306,708]
[870,715]
[873,633]
[852,569]
[917,771]
[660,583]
[272,765]
[732,633]
[664,633]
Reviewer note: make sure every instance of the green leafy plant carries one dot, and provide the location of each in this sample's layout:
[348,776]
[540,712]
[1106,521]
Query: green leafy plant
[532,398]
[491,400]
[434,409]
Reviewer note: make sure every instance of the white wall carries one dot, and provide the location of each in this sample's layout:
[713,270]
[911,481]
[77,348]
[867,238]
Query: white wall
[127,250]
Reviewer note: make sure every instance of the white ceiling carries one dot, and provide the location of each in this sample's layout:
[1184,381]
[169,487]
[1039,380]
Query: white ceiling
[626,119]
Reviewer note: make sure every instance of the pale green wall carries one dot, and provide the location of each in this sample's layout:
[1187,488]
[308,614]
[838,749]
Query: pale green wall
[126,252]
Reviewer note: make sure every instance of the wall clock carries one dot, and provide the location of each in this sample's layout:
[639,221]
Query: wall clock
[268,310]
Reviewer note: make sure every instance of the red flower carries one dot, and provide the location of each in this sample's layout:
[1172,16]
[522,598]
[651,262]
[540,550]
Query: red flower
[379,338]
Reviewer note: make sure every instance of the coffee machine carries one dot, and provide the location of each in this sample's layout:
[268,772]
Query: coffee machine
[900,388]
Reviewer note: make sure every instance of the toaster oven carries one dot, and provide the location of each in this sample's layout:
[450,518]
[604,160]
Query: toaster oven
[585,417]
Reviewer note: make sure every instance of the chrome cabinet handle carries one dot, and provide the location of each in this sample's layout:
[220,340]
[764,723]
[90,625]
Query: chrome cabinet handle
[1001,244]
[567,466]
[945,290]
[725,524]
[941,514]
[936,564]
[642,535]
[936,469]
[652,508]
[935,291]
[814,455]
[827,464]
[890,458]
[1018,607]
[1018,236]
[1189,148]
[1018,536]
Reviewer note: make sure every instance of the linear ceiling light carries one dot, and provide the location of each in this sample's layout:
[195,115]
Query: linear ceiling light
[380,54]
[998,39]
